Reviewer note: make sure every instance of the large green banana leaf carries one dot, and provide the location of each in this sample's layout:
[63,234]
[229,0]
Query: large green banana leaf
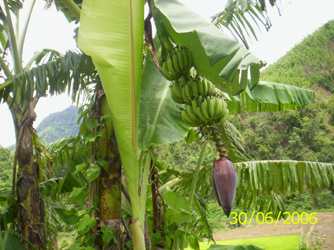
[262,185]
[284,176]
[111,32]
[216,56]
[270,97]
[159,119]
[73,71]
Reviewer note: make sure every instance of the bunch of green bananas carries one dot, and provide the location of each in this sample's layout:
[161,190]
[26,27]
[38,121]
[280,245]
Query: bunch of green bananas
[184,91]
[177,63]
[204,111]
[203,104]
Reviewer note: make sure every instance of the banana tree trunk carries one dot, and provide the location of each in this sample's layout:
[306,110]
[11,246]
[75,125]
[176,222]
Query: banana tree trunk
[30,208]
[109,182]
[110,193]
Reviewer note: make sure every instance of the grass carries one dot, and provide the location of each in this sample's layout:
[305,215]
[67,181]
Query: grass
[285,242]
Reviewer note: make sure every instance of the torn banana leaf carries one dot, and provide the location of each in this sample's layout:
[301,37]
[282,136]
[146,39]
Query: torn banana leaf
[216,56]
[270,97]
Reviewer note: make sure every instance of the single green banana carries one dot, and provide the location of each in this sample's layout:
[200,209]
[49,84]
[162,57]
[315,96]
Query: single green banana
[188,92]
[177,68]
[204,110]
[185,118]
[169,70]
[194,88]
[164,70]
[188,58]
[176,92]
[197,112]
[200,88]
[219,109]
[181,59]
[225,108]
[195,120]
[205,87]
[211,107]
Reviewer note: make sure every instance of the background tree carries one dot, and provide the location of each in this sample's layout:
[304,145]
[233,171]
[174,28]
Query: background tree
[23,84]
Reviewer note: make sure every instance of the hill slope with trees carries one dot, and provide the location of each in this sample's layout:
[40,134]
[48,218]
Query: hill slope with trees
[310,63]
[59,125]
[305,134]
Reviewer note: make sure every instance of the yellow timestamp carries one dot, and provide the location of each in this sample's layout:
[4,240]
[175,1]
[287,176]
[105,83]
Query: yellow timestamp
[287,218]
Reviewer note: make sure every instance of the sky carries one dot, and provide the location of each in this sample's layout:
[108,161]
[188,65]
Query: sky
[49,29]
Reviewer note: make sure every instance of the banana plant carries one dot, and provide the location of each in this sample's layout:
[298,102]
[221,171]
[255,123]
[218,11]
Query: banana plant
[22,85]
[159,115]
[117,53]
[120,69]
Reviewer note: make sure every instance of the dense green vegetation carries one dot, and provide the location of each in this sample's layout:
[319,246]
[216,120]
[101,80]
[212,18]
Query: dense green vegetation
[307,134]
[6,162]
[5,169]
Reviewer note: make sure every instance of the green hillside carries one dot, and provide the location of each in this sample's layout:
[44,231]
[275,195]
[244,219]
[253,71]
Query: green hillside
[59,125]
[308,64]
[307,134]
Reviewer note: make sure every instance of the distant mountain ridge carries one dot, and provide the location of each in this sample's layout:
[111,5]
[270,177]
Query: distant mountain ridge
[59,125]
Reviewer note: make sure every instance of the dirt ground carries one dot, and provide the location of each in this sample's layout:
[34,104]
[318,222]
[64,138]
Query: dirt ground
[322,232]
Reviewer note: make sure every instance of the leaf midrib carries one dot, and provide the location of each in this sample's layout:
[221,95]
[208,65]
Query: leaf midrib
[133,79]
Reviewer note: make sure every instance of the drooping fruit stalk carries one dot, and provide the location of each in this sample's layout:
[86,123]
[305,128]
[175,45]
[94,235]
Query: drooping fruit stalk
[224,179]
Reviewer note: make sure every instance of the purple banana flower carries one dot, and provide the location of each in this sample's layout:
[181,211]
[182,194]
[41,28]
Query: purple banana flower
[224,179]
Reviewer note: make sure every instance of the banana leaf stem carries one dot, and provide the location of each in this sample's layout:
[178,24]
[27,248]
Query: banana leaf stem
[24,32]
[12,39]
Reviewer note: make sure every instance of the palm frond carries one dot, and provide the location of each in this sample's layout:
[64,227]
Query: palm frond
[283,176]
[244,18]
[72,72]
[42,57]
[263,184]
